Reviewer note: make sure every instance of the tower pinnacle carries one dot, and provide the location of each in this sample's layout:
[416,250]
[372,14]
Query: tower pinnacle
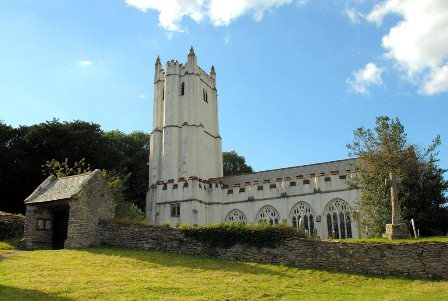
[191,51]
[158,60]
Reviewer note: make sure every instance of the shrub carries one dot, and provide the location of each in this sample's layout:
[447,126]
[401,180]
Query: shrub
[125,211]
[229,234]
[11,225]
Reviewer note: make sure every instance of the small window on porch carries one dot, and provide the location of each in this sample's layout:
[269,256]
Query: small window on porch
[44,224]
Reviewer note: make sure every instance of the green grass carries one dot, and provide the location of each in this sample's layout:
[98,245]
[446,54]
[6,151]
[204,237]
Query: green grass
[443,239]
[112,274]
[8,246]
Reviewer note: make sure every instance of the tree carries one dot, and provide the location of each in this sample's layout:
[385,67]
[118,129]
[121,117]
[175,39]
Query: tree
[234,164]
[63,169]
[422,193]
[25,149]
[131,151]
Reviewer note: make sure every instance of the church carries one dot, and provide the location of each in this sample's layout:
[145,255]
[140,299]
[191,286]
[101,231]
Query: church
[186,182]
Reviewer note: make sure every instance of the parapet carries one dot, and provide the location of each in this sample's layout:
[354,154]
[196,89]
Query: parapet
[173,67]
[214,190]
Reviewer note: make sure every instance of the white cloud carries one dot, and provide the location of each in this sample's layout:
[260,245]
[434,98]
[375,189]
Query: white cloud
[437,81]
[418,43]
[85,63]
[227,39]
[363,79]
[141,96]
[219,12]
[354,15]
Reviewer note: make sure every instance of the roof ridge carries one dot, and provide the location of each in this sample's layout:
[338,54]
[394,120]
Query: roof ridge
[78,175]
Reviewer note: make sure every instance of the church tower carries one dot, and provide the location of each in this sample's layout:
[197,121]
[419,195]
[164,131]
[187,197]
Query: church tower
[185,140]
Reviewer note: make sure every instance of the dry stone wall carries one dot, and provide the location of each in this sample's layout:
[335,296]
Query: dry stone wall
[11,225]
[416,260]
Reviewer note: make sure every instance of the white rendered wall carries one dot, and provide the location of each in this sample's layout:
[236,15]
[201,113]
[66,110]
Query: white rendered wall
[189,143]
[203,202]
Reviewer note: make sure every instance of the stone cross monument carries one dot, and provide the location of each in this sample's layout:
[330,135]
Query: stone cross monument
[395,230]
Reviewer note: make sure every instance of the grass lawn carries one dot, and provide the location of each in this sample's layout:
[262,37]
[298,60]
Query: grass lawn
[9,246]
[112,274]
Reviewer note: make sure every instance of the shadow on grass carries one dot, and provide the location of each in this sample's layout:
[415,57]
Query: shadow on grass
[201,262]
[11,294]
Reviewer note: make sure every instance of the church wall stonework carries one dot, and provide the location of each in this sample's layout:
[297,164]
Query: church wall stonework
[414,260]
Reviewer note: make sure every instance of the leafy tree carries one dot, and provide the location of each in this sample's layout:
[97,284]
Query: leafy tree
[422,193]
[25,149]
[130,152]
[9,160]
[234,164]
[63,169]
[124,210]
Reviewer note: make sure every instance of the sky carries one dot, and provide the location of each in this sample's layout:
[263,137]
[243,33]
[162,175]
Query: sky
[294,77]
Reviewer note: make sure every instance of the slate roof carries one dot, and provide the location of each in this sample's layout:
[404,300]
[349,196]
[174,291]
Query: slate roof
[53,188]
[292,172]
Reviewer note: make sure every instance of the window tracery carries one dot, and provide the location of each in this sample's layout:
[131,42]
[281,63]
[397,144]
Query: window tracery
[268,214]
[236,216]
[303,210]
[338,219]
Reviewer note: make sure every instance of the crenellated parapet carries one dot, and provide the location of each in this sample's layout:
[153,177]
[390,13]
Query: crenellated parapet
[173,67]
[208,79]
[285,187]
[214,191]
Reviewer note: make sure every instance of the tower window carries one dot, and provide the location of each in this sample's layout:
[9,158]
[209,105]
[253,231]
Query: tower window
[163,93]
[182,89]
[204,95]
[175,210]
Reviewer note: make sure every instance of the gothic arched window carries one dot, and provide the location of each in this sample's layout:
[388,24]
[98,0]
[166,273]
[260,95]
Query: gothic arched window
[303,210]
[338,217]
[182,89]
[268,214]
[235,215]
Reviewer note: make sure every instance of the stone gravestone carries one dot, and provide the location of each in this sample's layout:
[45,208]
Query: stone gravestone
[395,230]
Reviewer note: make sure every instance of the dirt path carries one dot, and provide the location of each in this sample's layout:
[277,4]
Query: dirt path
[9,254]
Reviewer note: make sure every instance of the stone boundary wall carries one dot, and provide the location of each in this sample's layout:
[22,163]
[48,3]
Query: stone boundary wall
[415,260]
[11,225]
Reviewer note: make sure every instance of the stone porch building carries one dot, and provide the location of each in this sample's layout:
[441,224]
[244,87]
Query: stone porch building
[64,212]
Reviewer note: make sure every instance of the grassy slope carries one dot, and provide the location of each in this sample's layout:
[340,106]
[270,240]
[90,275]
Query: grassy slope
[8,246]
[109,274]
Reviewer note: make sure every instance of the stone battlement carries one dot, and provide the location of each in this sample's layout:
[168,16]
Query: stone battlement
[173,67]
[215,191]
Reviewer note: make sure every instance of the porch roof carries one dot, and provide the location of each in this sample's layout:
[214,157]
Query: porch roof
[53,188]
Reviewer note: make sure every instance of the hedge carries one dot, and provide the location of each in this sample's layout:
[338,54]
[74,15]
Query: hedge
[229,234]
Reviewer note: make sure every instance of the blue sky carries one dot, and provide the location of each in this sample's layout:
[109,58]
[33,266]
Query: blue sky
[295,78]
